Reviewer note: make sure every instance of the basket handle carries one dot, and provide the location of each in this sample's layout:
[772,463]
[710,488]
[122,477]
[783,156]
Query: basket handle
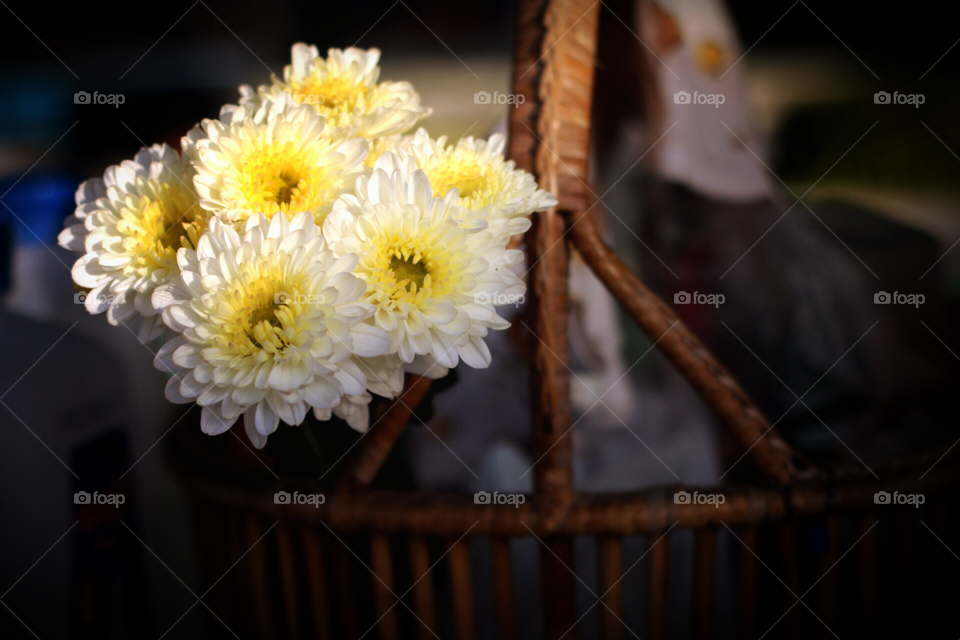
[550,137]
[775,458]
[555,53]
[555,49]
[389,424]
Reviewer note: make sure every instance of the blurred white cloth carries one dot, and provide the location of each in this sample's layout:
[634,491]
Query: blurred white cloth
[712,148]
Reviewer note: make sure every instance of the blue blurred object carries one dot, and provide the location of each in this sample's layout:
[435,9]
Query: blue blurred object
[6,256]
[37,206]
[33,209]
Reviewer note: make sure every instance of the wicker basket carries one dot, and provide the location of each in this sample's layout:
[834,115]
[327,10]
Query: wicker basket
[393,564]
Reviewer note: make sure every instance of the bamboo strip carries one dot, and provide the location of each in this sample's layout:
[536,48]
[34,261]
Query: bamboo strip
[318,594]
[461,584]
[423,603]
[383,587]
[558,588]
[704,579]
[657,585]
[503,588]
[747,579]
[288,581]
[257,567]
[610,554]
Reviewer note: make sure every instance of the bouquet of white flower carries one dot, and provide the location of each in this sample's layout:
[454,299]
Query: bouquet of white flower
[303,250]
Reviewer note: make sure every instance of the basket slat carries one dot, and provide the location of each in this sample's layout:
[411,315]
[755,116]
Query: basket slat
[790,574]
[703,583]
[214,559]
[867,556]
[256,562]
[423,602]
[241,588]
[557,588]
[318,596]
[610,554]
[747,580]
[657,585]
[461,585]
[383,587]
[346,592]
[503,587]
[905,529]
[288,581]
[826,590]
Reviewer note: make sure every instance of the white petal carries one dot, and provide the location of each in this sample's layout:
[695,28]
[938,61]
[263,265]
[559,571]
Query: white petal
[250,426]
[267,420]
[213,423]
[369,341]
[475,353]
[173,392]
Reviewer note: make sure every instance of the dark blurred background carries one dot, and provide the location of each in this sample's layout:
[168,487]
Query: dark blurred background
[81,398]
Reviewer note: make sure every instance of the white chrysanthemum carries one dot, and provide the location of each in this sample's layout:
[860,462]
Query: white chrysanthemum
[487,183]
[130,225]
[385,377]
[275,158]
[354,410]
[343,88]
[271,323]
[434,275]
[384,374]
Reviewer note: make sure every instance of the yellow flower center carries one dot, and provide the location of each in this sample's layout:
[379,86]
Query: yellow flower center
[477,183]
[405,273]
[176,236]
[402,269]
[267,313]
[263,322]
[156,224]
[406,270]
[261,309]
[331,95]
[283,176]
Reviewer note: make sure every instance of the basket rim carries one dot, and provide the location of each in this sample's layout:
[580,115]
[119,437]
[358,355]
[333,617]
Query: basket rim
[642,511]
